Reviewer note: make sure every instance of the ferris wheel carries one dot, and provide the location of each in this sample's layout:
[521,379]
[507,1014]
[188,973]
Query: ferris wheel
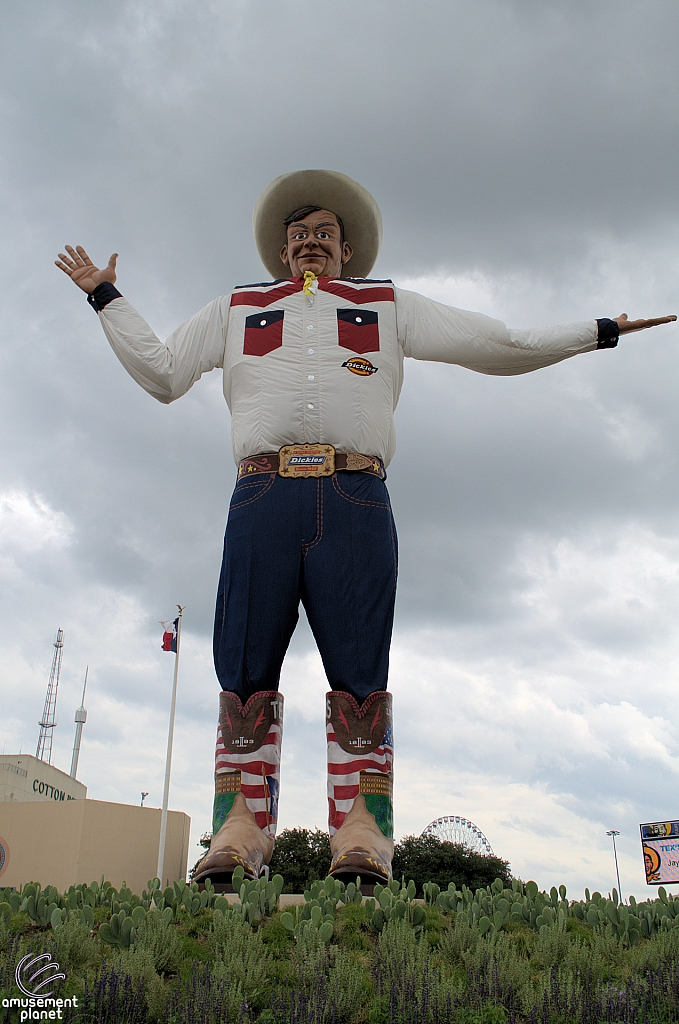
[453,829]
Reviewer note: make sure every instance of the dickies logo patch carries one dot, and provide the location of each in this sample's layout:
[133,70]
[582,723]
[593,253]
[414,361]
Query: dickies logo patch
[361,367]
[358,330]
[263,332]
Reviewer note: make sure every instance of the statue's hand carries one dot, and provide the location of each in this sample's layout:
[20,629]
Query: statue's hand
[626,325]
[82,270]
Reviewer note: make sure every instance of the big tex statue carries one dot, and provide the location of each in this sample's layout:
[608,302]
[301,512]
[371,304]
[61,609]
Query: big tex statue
[313,367]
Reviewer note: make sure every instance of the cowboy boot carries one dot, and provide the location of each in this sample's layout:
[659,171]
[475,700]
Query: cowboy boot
[360,758]
[247,771]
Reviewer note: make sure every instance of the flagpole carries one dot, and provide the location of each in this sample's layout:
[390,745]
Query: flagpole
[168,760]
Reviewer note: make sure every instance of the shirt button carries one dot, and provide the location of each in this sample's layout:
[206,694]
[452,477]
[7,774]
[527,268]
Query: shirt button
[309,327]
[311,351]
[311,377]
[309,406]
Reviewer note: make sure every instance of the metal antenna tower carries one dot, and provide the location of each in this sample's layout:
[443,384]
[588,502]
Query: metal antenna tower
[80,719]
[49,714]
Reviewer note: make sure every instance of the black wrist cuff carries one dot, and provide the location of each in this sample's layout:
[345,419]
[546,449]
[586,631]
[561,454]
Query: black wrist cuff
[608,334]
[102,295]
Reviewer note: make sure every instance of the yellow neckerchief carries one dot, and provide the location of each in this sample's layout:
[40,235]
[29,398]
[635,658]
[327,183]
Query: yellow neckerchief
[309,278]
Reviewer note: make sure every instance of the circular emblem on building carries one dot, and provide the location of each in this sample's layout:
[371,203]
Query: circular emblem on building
[4,854]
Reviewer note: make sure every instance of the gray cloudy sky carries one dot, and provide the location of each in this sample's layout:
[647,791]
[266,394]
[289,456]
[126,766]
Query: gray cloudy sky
[524,155]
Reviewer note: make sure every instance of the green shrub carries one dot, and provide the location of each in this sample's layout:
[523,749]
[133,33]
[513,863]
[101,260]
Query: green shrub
[352,929]
[138,964]
[242,962]
[163,944]
[73,948]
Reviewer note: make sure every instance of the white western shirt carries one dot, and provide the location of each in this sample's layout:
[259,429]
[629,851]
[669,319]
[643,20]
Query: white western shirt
[328,368]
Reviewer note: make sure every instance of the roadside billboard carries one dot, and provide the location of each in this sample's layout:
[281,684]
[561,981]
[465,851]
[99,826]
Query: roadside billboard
[660,847]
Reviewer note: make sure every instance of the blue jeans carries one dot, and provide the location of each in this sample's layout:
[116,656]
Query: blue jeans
[329,542]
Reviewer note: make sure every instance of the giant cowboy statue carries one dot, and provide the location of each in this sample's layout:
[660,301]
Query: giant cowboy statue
[313,367]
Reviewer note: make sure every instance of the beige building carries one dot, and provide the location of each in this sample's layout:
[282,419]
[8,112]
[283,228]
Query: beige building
[25,778]
[68,839]
[66,842]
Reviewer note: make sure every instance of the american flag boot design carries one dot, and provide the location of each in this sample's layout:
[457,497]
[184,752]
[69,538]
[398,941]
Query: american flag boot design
[360,784]
[247,774]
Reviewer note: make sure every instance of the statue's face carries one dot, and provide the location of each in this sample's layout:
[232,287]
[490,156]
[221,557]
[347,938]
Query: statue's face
[314,244]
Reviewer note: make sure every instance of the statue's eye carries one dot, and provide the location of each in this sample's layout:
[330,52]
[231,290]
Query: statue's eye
[323,234]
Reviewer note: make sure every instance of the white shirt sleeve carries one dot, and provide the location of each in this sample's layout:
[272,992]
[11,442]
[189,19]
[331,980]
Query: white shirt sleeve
[430,330]
[167,371]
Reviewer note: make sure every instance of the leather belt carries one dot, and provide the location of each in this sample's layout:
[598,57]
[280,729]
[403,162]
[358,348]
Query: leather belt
[305,460]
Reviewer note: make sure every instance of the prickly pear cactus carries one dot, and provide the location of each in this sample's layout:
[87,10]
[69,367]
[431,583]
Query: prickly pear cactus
[396,902]
[317,913]
[258,899]
[490,909]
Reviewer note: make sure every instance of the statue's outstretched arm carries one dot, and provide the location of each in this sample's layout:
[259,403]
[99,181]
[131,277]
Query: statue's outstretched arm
[166,370]
[433,331]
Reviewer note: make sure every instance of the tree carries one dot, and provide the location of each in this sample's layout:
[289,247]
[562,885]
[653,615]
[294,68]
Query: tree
[204,841]
[428,859]
[301,856]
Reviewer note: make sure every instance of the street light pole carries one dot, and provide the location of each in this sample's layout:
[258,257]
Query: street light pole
[613,833]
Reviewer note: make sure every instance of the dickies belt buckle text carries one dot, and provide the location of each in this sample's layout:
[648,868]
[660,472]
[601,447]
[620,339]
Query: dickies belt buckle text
[296,460]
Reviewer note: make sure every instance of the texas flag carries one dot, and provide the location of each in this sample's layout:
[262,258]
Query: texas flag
[170,635]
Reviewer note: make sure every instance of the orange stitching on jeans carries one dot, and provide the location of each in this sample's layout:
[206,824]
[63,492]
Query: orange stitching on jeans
[249,501]
[357,501]
[252,481]
[392,527]
[319,519]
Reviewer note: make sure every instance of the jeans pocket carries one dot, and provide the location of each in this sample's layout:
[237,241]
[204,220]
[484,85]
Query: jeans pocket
[251,489]
[361,489]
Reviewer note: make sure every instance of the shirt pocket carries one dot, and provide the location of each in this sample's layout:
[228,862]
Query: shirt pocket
[358,330]
[263,332]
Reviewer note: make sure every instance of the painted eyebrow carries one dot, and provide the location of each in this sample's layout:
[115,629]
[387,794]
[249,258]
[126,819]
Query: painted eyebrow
[323,224]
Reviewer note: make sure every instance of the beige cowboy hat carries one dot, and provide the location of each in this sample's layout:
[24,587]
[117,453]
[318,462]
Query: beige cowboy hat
[328,190]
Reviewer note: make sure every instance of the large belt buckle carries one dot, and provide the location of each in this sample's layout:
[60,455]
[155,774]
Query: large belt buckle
[303,460]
